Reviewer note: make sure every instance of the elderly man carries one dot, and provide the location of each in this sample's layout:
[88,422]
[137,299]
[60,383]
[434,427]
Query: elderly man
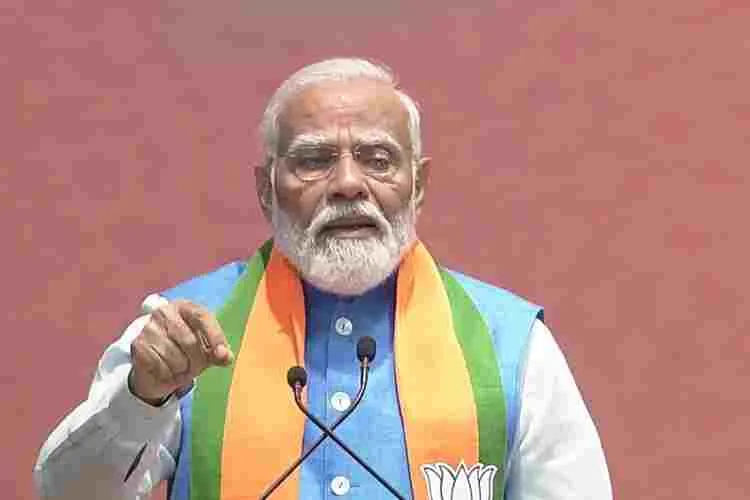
[469,397]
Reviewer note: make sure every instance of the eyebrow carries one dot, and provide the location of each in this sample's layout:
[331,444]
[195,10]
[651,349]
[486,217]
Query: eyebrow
[369,138]
[377,138]
[303,141]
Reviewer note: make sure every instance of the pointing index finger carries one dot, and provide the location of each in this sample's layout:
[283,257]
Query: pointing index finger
[208,330]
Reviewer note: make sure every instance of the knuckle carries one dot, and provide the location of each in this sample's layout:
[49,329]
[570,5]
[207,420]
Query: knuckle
[195,307]
[190,342]
[156,329]
[194,312]
[188,307]
[138,348]
[159,316]
[184,336]
[151,331]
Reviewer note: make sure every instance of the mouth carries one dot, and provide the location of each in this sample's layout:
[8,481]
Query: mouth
[350,227]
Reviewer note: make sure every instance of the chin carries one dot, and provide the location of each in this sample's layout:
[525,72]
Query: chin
[349,266]
[351,262]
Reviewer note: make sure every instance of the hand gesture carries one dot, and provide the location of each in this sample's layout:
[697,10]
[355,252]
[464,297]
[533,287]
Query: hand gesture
[180,340]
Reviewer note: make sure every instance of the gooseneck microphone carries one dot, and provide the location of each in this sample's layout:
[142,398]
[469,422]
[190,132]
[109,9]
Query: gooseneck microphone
[366,351]
[297,379]
[328,433]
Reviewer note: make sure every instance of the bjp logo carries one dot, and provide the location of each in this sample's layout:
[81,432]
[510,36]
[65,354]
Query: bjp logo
[445,483]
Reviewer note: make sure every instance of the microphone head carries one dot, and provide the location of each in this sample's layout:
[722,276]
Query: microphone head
[366,349]
[296,375]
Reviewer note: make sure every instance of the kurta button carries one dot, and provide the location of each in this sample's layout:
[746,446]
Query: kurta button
[343,326]
[340,486]
[340,401]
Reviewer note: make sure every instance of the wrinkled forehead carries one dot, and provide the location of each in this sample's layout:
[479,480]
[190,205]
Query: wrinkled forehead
[344,111]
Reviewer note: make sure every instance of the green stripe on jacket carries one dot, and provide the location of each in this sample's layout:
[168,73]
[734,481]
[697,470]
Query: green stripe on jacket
[476,343]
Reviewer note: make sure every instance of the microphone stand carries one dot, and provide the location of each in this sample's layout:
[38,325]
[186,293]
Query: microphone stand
[364,371]
[297,379]
[328,433]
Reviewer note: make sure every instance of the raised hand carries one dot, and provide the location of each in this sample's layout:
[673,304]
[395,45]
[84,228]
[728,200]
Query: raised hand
[178,343]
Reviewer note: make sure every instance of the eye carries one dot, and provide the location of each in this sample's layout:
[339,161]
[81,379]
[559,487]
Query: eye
[376,159]
[311,160]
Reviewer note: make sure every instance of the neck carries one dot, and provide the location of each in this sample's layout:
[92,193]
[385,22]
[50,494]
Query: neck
[387,285]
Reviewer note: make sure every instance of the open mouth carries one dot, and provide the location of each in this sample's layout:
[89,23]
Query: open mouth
[350,227]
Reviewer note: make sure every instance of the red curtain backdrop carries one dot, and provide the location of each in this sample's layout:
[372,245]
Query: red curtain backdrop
[589,155]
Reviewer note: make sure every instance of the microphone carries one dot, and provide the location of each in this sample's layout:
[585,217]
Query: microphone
[296,376]
[366,350]
[297,379]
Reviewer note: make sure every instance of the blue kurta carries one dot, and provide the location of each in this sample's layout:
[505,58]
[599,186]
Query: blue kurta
[374,430]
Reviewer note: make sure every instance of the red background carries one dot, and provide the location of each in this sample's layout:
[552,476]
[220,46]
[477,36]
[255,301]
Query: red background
[591,156]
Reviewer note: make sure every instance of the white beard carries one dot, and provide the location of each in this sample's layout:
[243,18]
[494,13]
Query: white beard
[344,266]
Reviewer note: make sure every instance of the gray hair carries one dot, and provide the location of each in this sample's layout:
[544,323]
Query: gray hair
[339,69]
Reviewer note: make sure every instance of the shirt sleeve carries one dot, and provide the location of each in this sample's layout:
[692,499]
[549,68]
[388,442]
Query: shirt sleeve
[113,445]
[558,454]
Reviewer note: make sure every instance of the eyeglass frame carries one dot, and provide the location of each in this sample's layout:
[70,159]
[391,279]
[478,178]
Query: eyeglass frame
[392,148]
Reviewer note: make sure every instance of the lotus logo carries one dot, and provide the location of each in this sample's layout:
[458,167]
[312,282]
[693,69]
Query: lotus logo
[444,483]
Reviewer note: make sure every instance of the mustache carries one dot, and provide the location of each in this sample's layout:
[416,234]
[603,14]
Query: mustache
[332,213]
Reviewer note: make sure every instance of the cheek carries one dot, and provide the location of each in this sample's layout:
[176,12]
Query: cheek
[296,199]
[392,197]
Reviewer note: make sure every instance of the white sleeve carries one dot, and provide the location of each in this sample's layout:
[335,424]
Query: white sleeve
[558,454]
[111,436]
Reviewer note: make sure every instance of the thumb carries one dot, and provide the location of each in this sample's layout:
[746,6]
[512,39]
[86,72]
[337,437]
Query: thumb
[222,355]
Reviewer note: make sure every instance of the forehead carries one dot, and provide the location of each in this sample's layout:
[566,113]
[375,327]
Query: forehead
[345,107]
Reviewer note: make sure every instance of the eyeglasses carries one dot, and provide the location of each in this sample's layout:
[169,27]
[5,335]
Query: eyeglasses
[313,163]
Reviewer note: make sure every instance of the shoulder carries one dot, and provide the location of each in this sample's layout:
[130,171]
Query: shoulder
[496,303]
[512,320]
[209,289]
[509,317]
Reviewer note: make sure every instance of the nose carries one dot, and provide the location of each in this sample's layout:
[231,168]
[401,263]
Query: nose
[347,181]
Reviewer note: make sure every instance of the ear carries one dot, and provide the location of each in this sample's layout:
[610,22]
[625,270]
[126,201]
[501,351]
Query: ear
[422,176]
[264,187]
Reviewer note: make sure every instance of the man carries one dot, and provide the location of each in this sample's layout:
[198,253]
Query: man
[469,397]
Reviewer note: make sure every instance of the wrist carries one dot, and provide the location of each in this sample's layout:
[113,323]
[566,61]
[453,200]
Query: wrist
[150,399]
